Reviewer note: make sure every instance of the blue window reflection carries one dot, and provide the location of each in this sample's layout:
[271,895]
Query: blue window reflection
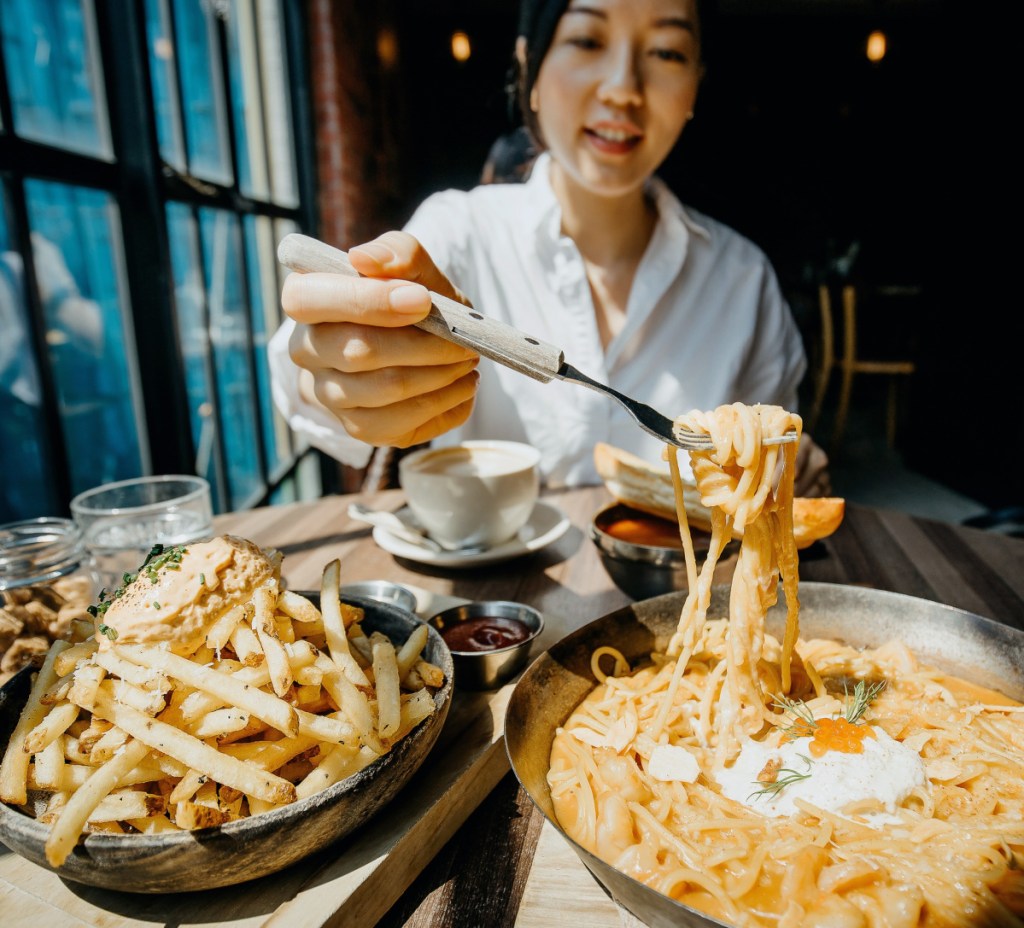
[26,490]
[276,102]
[76,250]
[202,91]
[246,107]
[160,42]
[213,328]
[260,104]
[259,247]
[54,74]
[189,305]
[229,334]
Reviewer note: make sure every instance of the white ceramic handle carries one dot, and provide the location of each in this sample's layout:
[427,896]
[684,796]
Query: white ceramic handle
[448,318]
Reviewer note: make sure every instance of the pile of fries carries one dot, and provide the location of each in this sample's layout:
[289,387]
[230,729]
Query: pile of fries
[282,700]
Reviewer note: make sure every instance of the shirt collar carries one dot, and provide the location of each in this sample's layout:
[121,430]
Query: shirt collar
[669,209]
[543,213]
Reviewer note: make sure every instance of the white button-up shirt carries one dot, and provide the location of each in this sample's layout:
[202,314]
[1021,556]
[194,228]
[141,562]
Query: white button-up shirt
[706,324]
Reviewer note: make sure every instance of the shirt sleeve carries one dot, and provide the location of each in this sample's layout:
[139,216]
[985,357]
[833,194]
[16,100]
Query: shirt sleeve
[444,225]
[777,362]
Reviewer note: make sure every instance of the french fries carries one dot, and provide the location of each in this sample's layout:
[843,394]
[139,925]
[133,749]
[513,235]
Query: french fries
[335,627]
[127,737]
[385,675]
[14,767]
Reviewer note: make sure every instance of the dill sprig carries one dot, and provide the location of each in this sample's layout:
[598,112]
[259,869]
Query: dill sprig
[805,719]
[853,710]
[781,782]
[863,696]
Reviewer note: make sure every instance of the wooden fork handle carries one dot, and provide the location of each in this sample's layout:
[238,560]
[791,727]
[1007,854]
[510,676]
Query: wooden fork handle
[448,318]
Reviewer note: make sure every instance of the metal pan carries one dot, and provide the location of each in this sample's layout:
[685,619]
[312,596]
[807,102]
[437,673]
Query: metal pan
[957,642]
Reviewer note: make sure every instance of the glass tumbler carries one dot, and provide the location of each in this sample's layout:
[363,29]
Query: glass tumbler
[121,522]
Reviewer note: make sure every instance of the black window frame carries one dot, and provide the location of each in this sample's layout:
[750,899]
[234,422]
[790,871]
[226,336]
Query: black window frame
[141,184]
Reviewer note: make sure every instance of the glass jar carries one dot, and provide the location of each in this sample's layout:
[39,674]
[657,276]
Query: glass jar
[46,584]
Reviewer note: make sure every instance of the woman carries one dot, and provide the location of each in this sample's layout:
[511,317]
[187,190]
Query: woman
[593,253]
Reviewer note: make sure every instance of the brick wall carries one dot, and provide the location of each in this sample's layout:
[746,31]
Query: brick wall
[356,151]
[354,93]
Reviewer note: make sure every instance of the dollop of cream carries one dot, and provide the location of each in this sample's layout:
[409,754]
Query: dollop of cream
[673,763]
[186,598]
[885,773]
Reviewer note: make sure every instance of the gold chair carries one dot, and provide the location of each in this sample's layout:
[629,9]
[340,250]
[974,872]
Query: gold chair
[849,364]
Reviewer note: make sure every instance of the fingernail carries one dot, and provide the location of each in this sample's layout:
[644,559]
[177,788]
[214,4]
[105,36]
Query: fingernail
[380,253]
[408,298]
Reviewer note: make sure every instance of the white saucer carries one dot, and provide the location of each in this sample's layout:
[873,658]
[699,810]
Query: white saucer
[547,523]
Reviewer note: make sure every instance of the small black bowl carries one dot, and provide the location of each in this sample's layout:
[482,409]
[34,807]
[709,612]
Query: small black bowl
[645,570]
[488,670]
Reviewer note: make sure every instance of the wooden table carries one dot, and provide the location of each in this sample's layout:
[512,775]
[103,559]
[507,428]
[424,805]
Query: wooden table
[471,849]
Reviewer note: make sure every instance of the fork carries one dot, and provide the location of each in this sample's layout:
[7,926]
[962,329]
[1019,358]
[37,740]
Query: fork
[500,342]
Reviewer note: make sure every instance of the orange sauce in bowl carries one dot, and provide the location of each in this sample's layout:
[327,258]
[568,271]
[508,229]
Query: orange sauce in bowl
[640,529]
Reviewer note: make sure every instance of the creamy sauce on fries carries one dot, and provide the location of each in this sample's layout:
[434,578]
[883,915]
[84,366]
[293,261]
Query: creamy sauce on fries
[179,601]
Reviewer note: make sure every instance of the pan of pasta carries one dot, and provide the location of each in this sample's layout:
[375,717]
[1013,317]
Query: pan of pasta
[777,754]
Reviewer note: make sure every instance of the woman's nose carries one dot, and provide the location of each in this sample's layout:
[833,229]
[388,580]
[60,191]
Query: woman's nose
[621,83]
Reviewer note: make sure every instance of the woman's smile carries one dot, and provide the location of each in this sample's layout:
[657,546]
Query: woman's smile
[613,138]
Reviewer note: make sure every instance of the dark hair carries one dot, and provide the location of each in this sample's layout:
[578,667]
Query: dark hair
[538,20]
[510,158]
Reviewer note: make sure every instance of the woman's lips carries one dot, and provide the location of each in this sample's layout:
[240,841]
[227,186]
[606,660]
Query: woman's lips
[612,141]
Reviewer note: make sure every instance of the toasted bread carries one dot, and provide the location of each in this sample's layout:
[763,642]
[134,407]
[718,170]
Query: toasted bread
[648,487]
[816,517]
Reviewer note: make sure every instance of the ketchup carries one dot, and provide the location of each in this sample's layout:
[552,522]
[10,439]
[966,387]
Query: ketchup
[485,633]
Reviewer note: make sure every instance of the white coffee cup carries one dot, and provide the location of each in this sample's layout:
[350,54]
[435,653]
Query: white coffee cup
[473,493]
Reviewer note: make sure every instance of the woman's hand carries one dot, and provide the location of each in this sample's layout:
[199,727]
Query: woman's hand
[360,356]
[812,477]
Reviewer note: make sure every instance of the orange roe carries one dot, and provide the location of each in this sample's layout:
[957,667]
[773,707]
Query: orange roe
[832,735]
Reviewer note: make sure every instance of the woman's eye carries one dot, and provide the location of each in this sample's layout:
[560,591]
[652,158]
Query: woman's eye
[670,54]
[584,42]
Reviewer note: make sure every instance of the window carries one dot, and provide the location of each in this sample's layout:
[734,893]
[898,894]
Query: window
[151,156]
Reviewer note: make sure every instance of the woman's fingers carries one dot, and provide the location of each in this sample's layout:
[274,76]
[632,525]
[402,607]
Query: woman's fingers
[351,348]
[408,421]
[361,356]
[398,254]
[397,273]
[318,298]
[386,388]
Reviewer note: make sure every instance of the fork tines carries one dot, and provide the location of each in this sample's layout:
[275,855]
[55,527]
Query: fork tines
[694,441]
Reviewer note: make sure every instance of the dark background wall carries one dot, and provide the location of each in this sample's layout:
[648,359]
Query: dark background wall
[799,142]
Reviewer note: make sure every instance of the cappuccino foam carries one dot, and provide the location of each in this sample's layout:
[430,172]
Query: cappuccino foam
[470,462]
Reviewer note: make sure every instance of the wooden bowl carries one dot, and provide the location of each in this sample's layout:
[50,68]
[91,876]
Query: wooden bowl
[967,645]
[248,848]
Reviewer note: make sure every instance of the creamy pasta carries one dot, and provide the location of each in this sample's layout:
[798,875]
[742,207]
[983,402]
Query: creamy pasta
[791,783]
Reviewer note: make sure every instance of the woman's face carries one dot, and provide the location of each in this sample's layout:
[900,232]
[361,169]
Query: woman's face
[616,88]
